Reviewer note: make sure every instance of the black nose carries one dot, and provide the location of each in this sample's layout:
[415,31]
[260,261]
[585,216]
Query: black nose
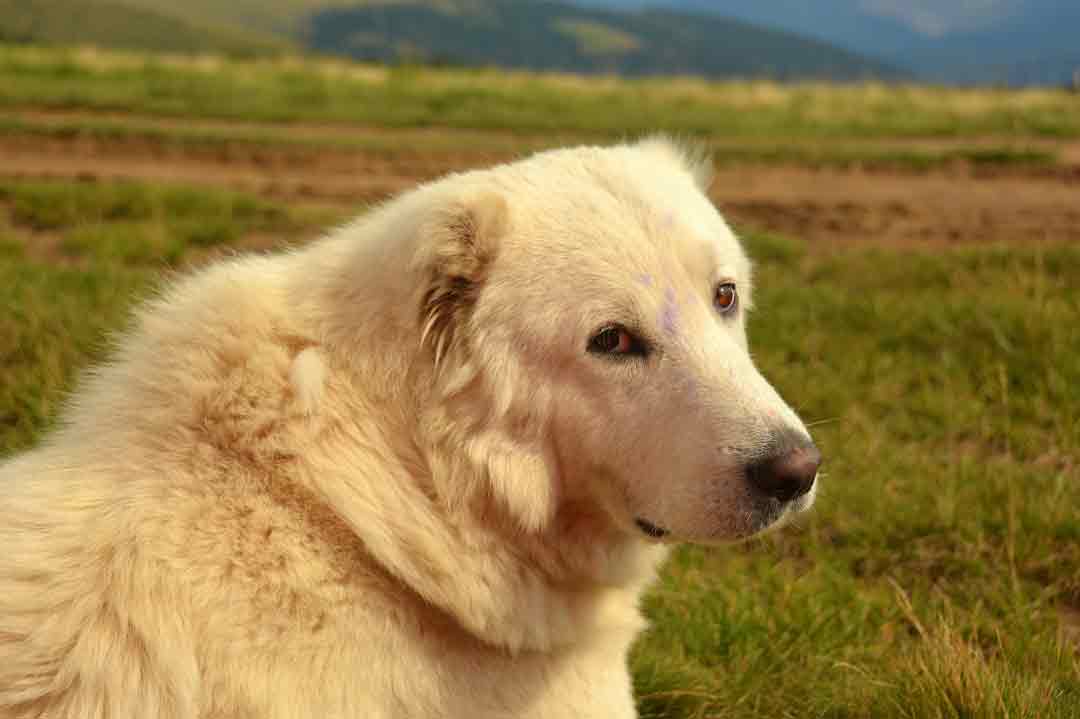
[787,474]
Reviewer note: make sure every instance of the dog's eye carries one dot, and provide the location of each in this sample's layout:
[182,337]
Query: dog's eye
[727,298]
[616,340]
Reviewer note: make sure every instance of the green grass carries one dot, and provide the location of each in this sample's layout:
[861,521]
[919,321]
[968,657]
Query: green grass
[226,140]
[945,543]
[944,552]
[223,137]
[323,91]
[50,205]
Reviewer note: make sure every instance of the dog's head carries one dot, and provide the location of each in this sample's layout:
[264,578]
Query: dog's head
[585,311]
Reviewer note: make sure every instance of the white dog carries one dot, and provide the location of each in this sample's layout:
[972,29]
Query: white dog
[423,467]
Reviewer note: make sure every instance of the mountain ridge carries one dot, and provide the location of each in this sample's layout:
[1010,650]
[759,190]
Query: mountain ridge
[1016,42]
[525,34]
[117,24]
[564,37]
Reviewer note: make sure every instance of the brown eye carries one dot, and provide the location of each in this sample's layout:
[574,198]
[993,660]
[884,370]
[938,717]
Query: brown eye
[726,298]
[616,340]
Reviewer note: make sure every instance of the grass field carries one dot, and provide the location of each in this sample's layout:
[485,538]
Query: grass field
[939,575]
[290,90]
[221,137]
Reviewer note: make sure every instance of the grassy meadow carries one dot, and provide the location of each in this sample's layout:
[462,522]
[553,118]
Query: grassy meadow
[940,573]
[938,576]
[290,90]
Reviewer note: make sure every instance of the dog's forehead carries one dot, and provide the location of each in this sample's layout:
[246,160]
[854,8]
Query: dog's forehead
[583,210]
[696,237]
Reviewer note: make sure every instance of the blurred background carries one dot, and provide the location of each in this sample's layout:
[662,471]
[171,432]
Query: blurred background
[906,174]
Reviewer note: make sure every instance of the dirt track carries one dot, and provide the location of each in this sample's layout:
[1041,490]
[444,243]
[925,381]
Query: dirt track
[824,206]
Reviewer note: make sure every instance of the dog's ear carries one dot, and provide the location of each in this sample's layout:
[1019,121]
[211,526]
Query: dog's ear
[460,242]
[474,459]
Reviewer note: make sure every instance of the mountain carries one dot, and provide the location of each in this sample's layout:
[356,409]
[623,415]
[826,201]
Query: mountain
[841,22]
[531,34]
[544,35]
[1040,46]
[286,18]
[990,41]
[1016,42]
[110,23]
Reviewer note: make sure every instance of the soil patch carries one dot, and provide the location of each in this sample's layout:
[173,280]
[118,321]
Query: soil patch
[824,206]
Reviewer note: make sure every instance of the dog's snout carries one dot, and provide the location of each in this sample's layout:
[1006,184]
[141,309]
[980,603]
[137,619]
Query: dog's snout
[787,474]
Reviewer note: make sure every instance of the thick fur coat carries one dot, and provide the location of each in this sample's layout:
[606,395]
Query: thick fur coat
[423,467]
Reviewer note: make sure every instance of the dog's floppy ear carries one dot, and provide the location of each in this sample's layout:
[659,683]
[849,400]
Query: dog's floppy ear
[460,242]
[475,452]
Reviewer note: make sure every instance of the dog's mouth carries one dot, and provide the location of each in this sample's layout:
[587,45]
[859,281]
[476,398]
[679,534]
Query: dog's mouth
[651,529]
[771,514]
[763,515]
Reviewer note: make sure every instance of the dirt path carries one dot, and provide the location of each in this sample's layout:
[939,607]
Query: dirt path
[1067,151]
[935,208]
[825,206]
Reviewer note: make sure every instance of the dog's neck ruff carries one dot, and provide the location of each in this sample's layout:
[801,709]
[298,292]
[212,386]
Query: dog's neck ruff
[511,589]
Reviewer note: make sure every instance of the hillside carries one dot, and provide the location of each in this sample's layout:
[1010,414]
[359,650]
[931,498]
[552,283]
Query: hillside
[281,17]
[556,36]
[533,34]
[1019,42]
[1038,46]
[850,24]
[109,23]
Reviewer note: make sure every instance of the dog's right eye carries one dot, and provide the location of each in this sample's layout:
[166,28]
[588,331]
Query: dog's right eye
[616,340]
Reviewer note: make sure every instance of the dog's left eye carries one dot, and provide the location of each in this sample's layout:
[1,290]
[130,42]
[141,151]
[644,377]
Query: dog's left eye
[727,298]
[616,340]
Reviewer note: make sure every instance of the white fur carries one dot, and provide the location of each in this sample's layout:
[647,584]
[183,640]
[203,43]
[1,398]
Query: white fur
[381,476]
[308,377]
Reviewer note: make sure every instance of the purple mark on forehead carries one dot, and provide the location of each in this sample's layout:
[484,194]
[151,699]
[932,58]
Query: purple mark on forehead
[645,280]
[669,315]
[669,220]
